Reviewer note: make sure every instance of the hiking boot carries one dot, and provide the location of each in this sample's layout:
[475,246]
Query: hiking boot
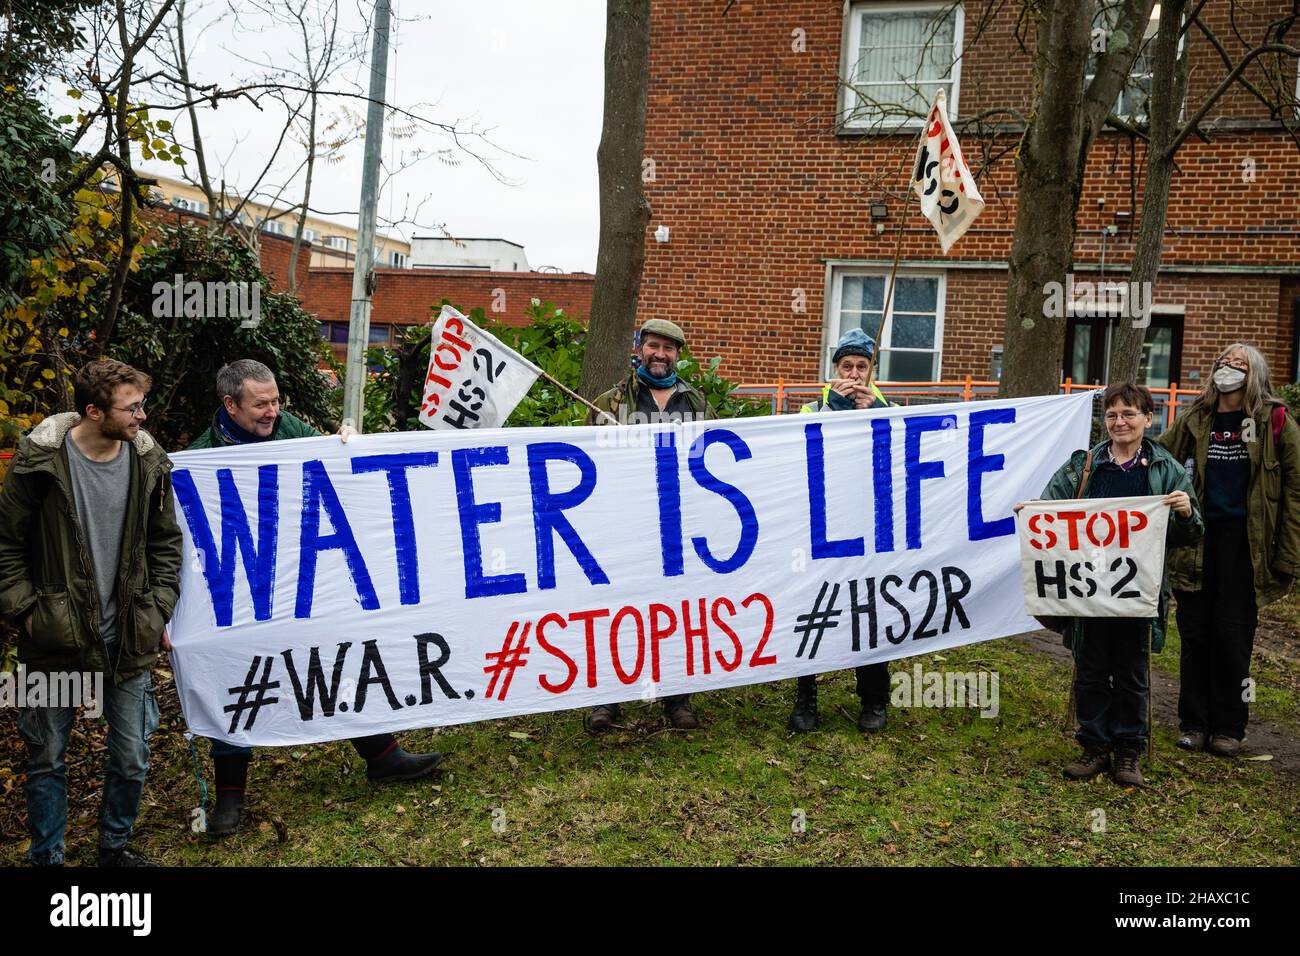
[872,718]
[398,764]
[1087,765]
[122,856]
[804,717]
[226,815]
[601,718]
[680,715]
[1224,746]
[1127,772]
[1192,740]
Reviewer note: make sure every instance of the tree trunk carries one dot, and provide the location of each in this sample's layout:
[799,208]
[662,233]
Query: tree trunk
[1167,88]
[624,212]
[1067,115]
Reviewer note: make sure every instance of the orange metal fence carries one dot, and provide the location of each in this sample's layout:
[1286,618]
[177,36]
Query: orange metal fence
[785,397]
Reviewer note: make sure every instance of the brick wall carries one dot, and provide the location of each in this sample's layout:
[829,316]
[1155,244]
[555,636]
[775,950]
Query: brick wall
[408,296]
[759,191]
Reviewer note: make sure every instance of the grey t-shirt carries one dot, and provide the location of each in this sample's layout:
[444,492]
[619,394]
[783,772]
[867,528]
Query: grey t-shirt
[100,489]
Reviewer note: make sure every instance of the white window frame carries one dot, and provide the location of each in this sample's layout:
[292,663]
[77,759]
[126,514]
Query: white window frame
[850,48]
[831,323]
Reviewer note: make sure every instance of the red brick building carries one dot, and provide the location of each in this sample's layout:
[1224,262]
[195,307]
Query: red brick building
[766,180]
[405,297]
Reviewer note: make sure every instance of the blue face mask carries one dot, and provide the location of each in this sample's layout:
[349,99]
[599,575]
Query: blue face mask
[668,381]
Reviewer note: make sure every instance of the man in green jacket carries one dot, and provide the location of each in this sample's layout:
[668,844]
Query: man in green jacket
[652,392]
[90,558]
[249,413]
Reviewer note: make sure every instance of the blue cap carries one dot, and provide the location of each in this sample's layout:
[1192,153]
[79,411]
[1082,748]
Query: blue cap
[855,342]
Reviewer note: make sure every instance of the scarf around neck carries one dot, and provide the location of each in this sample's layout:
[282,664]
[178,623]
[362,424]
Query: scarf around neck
[668,381]
[234,433]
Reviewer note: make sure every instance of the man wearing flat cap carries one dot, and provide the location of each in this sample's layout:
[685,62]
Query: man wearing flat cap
[654,391]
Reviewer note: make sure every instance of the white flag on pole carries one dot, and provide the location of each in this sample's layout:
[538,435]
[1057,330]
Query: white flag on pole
[474,380]
[949,197]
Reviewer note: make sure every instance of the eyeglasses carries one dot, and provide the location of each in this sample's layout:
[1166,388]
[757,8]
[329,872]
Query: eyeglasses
[1129,416]
[132,410]
[1238,365]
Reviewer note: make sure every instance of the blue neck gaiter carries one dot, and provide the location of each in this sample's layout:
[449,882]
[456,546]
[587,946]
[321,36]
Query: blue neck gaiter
[234,433]
[668,381]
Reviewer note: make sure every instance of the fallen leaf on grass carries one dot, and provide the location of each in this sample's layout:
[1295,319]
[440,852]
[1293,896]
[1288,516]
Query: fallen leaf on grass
[520,735]
[1259,757]
[894,824]
[890,848]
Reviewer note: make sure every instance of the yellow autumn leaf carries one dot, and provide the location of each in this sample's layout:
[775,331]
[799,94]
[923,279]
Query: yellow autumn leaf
[105,218]
[63,331]
[47,374]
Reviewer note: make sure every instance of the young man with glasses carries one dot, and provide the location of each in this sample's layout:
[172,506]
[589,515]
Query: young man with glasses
[90,558]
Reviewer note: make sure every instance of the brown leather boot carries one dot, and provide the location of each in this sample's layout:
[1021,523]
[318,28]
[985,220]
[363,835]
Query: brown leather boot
[601,718]
[680,715]
[1087,765]
[1127,773]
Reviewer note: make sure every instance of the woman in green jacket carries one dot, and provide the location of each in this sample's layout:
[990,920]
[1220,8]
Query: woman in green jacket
[1110,654]
[1243,452]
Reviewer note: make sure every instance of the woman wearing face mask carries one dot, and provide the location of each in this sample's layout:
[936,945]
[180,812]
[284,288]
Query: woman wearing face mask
[1243,452]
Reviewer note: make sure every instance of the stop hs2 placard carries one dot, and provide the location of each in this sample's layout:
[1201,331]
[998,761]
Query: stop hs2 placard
[1102,557]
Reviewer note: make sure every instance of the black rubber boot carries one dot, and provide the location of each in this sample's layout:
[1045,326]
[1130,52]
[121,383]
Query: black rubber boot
[232,776]
[398,764]
[804,717]
[600,719]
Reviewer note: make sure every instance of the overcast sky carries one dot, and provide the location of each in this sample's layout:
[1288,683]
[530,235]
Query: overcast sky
[529,72]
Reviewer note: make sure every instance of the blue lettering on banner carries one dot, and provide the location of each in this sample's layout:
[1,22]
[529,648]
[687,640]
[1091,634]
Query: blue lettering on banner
[219,564]
[980,464]
[399,499]
[882,482]
[549,508]
[318,493]
[472,514]
[916,470]
[823,547]
[744,508]
[668,483]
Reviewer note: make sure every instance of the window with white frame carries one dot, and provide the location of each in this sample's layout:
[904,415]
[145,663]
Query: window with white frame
[895,57]
[1132,100]
[912,340]
[397,259]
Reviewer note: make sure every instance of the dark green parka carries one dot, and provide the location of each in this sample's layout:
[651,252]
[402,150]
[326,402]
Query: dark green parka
[1272,500]
[627,397]
[46,569]
[1165,475]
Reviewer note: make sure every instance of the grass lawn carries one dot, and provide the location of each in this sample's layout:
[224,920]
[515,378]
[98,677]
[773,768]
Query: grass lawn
[938,787]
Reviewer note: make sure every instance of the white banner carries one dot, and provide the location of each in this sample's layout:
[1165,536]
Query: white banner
[431,578]
[949,197]
[1100,557]
[475,380]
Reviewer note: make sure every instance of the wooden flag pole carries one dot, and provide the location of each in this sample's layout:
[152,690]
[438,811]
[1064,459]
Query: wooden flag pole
[576,397]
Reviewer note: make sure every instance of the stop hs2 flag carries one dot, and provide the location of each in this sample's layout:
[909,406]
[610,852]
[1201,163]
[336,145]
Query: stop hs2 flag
[474,380]
[1097,557]
[949,197]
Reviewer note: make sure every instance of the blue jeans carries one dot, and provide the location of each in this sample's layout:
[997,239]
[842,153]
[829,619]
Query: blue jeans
[132,712]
